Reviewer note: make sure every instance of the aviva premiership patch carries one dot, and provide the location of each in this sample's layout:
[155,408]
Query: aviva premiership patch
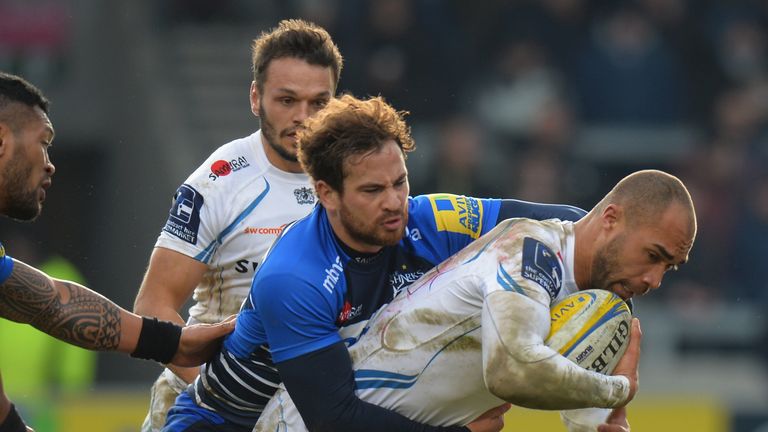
[184,218]
[458,214]
[542,266]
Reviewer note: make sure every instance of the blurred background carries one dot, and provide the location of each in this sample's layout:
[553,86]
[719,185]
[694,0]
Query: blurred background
[543,100]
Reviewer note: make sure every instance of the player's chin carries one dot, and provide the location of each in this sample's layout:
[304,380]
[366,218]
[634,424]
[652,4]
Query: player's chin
[391,237]
[621,289]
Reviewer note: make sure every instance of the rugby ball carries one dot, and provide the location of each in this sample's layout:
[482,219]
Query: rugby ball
[590,328]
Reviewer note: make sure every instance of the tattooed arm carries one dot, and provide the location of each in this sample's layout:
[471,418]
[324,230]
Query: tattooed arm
[67,311]
[82,317]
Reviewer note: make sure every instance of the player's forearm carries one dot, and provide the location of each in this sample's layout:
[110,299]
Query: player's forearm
[80,316]
[520,369]
[148,306]
[65,310]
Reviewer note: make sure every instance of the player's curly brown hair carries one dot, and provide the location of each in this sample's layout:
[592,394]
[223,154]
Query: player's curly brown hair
[349,126]
[295,39]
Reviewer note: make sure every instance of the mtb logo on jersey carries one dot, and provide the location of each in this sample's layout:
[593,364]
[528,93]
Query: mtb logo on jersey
[542,266]
[222,168]
[458,214]
[332,275]
[184,218]
[304,195]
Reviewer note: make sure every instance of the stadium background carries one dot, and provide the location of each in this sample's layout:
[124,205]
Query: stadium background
[550,100]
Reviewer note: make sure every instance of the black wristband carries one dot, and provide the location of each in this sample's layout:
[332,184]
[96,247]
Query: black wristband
[13,422]
[158,340]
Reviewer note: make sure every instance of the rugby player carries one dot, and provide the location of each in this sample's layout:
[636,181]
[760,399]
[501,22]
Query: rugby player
[469,334]
[63,309]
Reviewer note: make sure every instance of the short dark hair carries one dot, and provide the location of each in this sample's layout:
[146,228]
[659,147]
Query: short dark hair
[345,127]
[295,39]
[17,90]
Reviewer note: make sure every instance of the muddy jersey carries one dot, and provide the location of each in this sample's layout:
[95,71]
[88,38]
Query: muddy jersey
[421,355]
[310,293]
[226,215]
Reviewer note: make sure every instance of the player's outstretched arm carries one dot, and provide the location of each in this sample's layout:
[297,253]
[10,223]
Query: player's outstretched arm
[82,317]
[520,369]
[170,280]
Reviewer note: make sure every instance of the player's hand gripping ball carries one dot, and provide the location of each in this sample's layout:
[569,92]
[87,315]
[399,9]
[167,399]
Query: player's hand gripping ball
[591,328]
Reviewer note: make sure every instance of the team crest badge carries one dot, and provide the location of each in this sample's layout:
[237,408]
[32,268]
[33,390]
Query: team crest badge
[304,195]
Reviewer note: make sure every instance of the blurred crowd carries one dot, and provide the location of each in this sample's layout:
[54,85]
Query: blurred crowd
[552,100]
[511,98]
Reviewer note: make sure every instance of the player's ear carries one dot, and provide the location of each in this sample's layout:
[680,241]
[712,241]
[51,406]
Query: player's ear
[254,96]
[612,214]
[328,196]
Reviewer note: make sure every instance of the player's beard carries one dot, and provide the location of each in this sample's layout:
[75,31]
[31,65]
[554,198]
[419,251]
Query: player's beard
[371,232]
[606,263]
[21,203]
[272,136]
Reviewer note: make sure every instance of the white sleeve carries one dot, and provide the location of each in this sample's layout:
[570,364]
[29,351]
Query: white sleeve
[519,368]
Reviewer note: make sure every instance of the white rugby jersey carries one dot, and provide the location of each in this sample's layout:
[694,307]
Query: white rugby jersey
[226,215]
[422,354]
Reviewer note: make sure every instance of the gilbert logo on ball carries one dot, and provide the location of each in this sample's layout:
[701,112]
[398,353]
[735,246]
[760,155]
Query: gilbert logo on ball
[590,328]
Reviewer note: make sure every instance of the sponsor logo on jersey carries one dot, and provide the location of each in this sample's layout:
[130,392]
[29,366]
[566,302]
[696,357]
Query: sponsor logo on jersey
[222,168]
[413,233]
[458,214]
[184,218]
[542,266]
[399,280]
[265,230]
[244,266]
[304,195]
[332,275]
[349,312]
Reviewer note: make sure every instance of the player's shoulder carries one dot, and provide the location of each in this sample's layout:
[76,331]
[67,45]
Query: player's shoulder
[231,165]
[541,250]
[550,231]
[450,213]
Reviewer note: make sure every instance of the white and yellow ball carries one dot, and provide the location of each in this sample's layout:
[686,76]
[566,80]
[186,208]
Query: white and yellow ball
[591,328]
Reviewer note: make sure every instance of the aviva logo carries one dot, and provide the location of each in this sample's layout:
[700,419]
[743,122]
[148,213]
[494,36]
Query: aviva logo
[458,214]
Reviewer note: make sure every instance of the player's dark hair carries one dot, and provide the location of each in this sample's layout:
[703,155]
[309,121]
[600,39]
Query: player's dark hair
[346,127]
[17,90]
[295,39]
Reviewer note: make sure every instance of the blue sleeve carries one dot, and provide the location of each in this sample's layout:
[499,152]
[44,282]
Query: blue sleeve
[511,208]
[6,265]
[297,317]
[440,225]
